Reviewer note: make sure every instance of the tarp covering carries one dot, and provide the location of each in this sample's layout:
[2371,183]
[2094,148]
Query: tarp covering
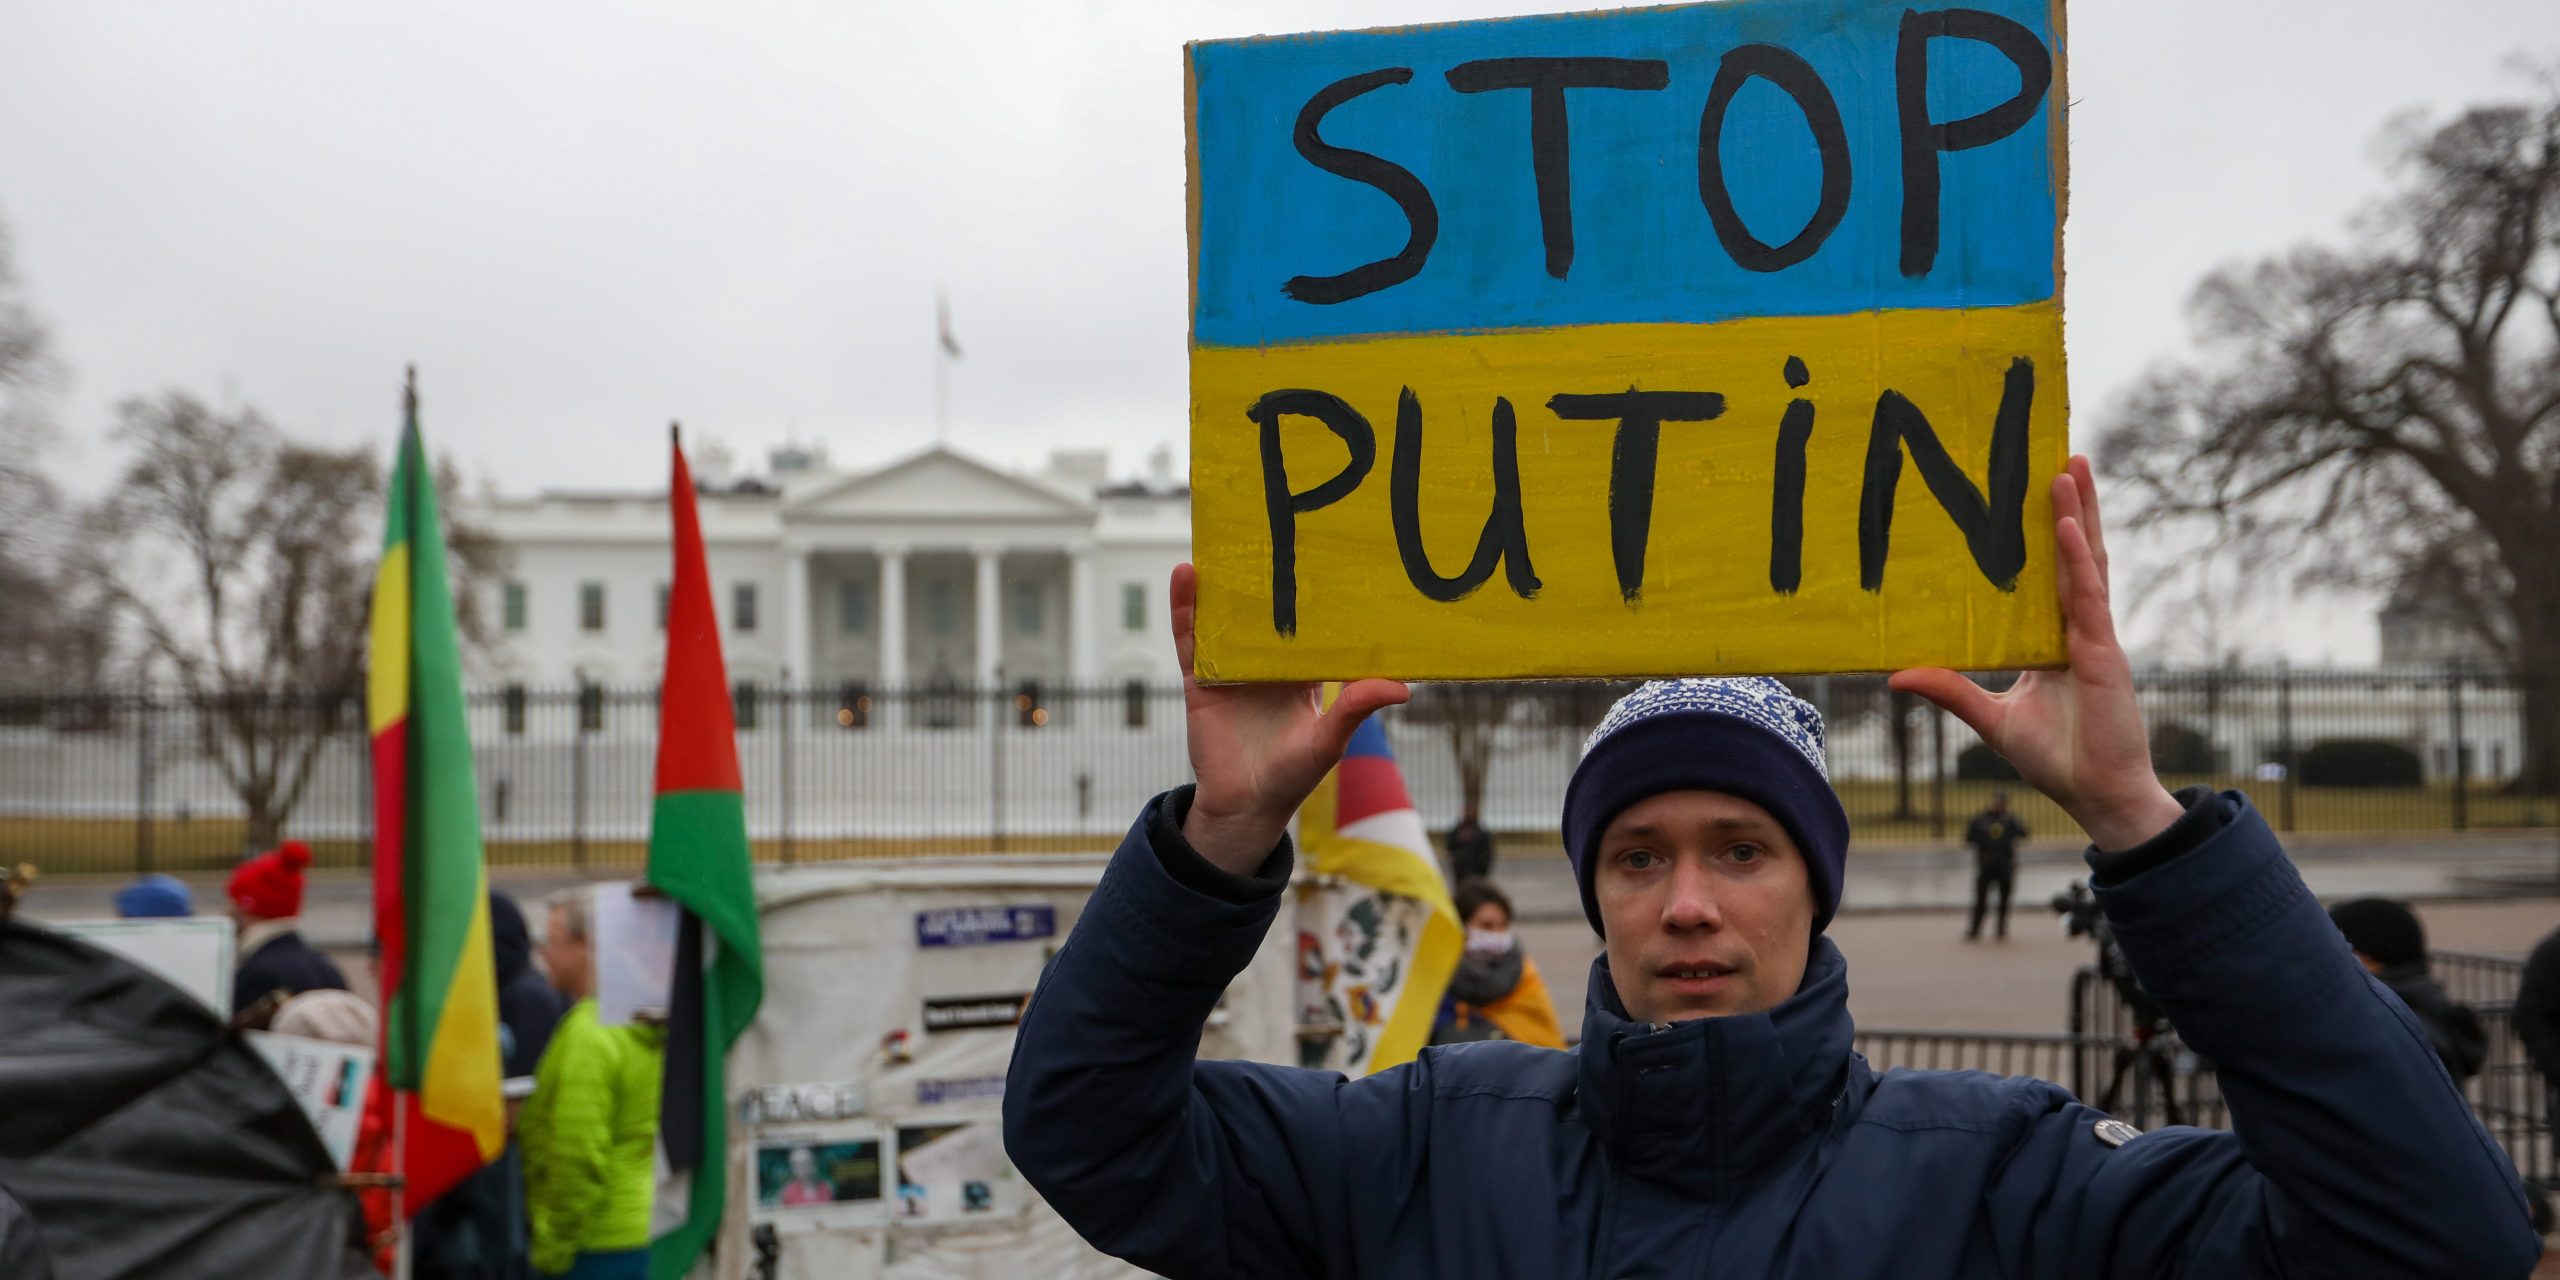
[22,1255]
[144,1139]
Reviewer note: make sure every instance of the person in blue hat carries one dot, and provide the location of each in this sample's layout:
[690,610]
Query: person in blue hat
[155,897]
[1715,1119]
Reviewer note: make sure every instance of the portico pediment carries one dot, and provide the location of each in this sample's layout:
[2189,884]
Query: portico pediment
[936,485]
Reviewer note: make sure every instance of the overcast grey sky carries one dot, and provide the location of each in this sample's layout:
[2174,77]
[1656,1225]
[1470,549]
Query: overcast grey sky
[584,219]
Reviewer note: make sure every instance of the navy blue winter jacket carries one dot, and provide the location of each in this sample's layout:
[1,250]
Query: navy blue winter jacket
[288,964]
[1758,1145]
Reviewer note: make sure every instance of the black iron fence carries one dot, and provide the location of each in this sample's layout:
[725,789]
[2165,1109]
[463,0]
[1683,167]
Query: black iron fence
[2046,1057]
[132,779]
[2115,1061]
[2150,1079]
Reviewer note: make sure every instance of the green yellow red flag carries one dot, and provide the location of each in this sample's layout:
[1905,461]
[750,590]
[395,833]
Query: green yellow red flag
[430,889]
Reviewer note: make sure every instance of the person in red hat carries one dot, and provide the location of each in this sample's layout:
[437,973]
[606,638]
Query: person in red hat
[266,904]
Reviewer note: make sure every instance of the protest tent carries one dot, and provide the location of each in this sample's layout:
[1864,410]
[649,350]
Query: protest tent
[890,995]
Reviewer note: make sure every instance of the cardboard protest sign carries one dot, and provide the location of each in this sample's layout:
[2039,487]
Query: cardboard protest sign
[193,952]
[327,1079]
[635,954]
[1609,344]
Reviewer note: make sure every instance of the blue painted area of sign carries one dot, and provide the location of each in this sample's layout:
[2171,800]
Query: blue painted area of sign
[1644,243]
[965,1089]
[974,926]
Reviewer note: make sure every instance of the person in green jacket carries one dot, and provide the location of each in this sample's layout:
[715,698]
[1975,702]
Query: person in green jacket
[590,1130]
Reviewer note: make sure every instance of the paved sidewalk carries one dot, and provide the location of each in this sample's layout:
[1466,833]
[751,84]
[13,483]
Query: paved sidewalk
[338,906]
[1893,878]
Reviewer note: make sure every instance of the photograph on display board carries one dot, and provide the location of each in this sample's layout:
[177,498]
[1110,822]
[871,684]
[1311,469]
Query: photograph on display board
[948,1172]
[800,1172]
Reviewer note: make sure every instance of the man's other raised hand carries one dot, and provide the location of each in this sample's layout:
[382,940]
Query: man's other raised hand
[1258,749]
[2076,734]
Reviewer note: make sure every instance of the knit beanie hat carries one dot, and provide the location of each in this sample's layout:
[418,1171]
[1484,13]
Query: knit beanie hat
[154,897]
[1747,737]
[269,886]
[2386,930]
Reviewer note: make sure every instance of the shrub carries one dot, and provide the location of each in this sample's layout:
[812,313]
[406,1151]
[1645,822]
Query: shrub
[2175,748]
[2361,762]
[1979,763]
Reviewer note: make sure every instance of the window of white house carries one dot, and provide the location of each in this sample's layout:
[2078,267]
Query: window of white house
[511,606]
[853,607]
[1133,607]
[662,606]
[742,606]
[590,606]
[1026,608]
[942,607]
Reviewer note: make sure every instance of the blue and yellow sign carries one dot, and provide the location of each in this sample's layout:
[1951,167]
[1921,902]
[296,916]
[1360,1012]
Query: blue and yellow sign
[1600,344]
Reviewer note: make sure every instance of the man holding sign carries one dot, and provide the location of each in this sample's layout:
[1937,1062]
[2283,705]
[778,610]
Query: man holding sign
[1674,355]
[1715,1120]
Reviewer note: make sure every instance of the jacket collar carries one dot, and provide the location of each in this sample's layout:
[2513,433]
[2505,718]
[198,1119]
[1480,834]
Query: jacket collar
[258,933]
[1704,1106]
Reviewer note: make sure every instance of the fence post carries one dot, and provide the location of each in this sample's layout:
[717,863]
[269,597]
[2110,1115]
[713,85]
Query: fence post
[364,786]
[578,781]
[143,708]
[995,766]
[1937,774]
[2078,1026]
[2286,755]
[2461,758]
[790,709]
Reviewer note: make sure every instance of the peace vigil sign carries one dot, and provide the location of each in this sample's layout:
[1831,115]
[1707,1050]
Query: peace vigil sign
[1597,344]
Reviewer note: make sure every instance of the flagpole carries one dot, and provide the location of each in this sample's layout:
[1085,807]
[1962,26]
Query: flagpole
[399,1187]
[941,389]
[409,788]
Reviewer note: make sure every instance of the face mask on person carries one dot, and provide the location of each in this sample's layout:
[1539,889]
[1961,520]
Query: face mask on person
[1489,944]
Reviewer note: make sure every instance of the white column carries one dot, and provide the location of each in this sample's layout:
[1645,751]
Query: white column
[990,600]
[893,616]
[1080,614]
[795,615]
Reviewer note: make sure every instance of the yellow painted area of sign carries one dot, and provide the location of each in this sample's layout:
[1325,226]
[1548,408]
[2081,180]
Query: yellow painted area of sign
[1705,605]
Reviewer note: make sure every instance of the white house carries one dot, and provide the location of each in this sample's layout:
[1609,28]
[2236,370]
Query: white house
[933,571]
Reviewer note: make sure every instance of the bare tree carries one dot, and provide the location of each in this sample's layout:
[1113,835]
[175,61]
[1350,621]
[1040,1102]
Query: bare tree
[31,511]
[1849,699]
[243,564]
[26,348]
[475,556]
[2388,413]
[1471,715]
[51,635]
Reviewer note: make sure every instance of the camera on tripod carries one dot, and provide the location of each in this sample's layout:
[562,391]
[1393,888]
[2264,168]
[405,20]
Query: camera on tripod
[2081,917]
[2140,1055]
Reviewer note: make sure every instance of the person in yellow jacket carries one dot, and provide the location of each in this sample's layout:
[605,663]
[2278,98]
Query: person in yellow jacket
[590,1130]
[1496,993]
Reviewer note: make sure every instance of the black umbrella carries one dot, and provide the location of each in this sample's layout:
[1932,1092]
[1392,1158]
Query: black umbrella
[144,1138]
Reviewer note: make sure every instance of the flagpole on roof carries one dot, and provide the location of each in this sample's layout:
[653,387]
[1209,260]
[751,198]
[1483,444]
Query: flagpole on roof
[945,350]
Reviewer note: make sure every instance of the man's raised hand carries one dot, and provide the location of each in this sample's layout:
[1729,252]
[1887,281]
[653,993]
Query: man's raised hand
[1258,749]
[2076,735]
